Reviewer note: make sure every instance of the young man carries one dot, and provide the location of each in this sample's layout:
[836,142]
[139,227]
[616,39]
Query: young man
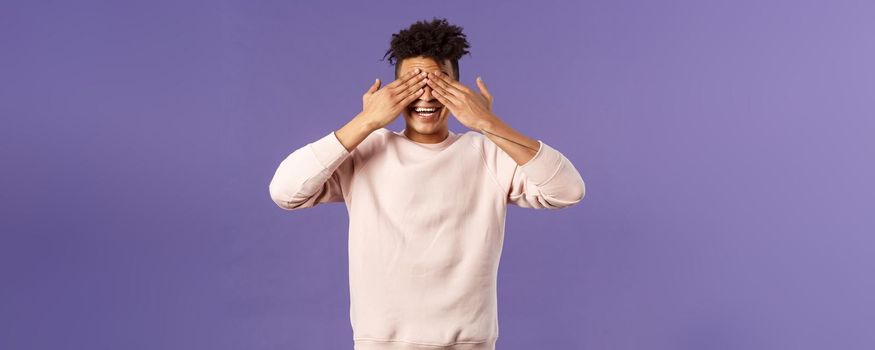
[426,205]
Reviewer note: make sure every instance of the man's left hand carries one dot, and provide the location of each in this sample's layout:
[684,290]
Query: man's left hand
[472,109]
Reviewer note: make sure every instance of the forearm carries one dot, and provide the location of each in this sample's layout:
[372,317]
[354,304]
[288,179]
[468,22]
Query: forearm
[518,146]
[355,131]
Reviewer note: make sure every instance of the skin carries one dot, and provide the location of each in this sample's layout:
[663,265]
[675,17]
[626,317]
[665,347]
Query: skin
[422,81]
[418,130]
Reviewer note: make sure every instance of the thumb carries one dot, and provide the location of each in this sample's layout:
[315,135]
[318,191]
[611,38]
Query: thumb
[483,89]
[374,86]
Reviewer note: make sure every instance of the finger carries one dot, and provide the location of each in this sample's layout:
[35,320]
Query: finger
[434,84]
[446,83]
[483,89]
[442,85]
[413,96]
[404,78]
[413,87]
[374,87]
[447,95]
[446,99]
[454,85]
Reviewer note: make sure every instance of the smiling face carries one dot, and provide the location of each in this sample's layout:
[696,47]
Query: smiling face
[424,126]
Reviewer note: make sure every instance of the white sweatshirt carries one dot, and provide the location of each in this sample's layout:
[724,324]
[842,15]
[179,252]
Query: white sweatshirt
[426,228]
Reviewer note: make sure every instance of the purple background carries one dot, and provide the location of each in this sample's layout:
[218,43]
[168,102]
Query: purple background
[727,149]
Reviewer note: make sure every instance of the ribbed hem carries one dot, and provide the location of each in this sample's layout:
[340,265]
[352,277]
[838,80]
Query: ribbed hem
[376,344]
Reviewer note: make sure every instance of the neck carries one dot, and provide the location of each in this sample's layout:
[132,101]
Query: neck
[437,137]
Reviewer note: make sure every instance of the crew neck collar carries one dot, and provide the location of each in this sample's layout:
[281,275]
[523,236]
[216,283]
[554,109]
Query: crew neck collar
[450,137]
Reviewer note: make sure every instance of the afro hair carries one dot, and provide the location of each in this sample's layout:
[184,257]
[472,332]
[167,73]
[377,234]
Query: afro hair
[435,39]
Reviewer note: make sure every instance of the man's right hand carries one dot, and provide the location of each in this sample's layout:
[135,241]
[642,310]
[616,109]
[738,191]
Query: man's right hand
[381,107]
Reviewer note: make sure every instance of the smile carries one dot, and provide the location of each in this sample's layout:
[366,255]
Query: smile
[426,113]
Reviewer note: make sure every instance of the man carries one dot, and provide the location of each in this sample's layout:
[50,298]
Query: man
[426,205]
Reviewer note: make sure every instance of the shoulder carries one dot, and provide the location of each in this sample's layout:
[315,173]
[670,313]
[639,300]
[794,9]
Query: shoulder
[375,142]
[380,135]
[476,139]
[482,144]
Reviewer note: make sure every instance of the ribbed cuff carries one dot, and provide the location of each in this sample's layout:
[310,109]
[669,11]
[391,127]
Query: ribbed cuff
[544,165]
[329,151]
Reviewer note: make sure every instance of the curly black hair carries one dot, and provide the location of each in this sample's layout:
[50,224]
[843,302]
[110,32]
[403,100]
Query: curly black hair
[435,39]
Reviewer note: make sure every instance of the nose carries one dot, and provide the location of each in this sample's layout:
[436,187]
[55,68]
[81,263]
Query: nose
[426,94]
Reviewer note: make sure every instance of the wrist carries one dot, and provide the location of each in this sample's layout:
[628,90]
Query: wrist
[366,122]
[487,123]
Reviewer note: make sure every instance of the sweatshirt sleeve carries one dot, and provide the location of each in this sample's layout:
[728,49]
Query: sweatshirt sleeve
[318,172]
[548,180]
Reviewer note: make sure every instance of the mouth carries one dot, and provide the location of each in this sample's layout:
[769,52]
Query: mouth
[425,113]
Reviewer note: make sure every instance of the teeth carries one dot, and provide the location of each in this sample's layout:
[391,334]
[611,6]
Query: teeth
[425,110]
